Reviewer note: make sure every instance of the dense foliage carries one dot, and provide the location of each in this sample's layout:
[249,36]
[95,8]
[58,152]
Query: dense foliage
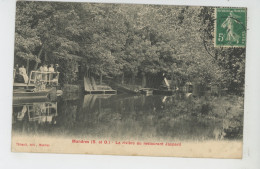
[122,40]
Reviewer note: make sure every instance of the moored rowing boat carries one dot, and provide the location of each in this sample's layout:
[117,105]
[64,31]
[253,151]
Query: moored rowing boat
[23,94]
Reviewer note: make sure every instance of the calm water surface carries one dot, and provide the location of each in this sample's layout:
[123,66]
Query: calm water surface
[179,117]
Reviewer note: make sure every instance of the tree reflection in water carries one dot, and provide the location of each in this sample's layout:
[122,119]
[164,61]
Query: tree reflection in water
[179,117]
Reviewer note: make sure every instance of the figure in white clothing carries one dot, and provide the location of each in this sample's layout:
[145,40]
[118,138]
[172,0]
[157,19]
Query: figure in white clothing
[22,71]
[51,69]
[41,68]
[44,69]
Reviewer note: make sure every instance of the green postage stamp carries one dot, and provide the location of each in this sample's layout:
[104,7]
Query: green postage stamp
[230,27]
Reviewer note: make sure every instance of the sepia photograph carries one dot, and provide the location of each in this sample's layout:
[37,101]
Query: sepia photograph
[129,79]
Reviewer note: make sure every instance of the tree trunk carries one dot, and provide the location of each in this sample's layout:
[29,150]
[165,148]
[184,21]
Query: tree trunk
[38,57]
[133,78]
[123,79]
[101,78]
[45,57]
[86,72]
[172,81]
[143,79]
[27,66]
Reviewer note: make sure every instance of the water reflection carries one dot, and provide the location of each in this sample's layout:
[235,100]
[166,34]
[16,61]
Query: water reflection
[27,117]
[179,117]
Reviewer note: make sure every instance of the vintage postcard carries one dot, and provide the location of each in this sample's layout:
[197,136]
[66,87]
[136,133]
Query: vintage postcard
[129,79]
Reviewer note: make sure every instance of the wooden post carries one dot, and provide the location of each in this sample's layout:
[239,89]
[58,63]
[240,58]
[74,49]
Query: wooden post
[99,105]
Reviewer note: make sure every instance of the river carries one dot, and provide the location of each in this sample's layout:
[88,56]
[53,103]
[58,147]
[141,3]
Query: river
[182,117]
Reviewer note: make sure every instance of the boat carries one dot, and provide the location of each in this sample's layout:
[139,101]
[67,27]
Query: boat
[27,94]
[163,89]
[151,91]
[146,91]
[23,92]
[91,87]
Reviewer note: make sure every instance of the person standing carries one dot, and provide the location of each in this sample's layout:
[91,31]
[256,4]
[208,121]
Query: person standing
[45,70]
[57,67]
[51,70]
[16,69]
[41,68]
[18,78]
[39,73]
[22,71]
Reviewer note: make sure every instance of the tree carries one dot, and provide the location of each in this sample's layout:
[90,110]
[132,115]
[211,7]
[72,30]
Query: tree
[128,41]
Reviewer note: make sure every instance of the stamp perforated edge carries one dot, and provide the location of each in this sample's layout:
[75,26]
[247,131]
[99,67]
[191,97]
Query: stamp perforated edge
[215,31]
